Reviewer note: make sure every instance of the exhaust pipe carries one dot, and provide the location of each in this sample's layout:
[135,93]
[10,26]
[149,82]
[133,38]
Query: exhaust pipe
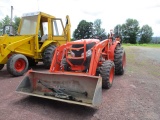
[67,87]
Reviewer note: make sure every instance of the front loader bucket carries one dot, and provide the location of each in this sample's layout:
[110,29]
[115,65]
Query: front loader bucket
[66,87]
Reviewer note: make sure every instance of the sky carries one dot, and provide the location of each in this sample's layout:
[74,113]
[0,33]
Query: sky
[110,12]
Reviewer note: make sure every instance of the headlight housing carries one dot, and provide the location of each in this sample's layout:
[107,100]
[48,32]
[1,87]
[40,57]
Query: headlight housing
[72,54]
[88,53]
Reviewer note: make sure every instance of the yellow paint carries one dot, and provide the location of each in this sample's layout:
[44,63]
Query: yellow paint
[29,44]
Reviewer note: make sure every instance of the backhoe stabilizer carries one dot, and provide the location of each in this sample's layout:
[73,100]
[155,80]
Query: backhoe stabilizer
[63,86]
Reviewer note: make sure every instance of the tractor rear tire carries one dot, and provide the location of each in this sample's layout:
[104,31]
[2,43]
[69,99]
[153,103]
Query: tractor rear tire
[107,74]
[48,55]
[17,65]
[1,66]
[119,60]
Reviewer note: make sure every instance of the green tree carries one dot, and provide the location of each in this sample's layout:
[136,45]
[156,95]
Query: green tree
[1,29]
[3,22]
[84,30]
[145,34]
[130,31]
[16,23]
[6,21]
[98,31]
[118,30]
[1,25]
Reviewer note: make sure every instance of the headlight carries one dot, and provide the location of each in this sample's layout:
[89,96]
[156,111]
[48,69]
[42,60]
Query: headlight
[72,54]
[88,53]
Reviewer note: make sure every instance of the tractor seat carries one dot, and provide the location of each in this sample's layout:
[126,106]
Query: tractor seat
[44,37]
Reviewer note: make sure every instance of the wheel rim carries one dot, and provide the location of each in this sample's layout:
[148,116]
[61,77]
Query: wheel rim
[124,60]
[20,65]
[111,75]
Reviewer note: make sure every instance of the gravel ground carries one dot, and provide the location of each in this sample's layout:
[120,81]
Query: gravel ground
[133,96]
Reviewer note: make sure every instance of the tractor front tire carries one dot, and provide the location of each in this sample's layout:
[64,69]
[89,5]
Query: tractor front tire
[1,66]
[119,60]
[48,55]
[17,65]
[65,64]
[107,73]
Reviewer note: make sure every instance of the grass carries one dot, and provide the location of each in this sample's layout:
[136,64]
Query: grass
[142,45]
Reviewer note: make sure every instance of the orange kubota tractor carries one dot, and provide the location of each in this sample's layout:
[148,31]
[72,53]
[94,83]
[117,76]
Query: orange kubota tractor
[79,71]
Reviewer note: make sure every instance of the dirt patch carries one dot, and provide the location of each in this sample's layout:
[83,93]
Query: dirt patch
[133,96]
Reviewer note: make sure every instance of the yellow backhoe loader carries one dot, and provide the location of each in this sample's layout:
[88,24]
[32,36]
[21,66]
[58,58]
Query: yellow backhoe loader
[36,40]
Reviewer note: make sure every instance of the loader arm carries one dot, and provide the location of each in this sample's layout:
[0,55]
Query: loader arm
[105,47]
[6,50]
[67,28]
[55,65]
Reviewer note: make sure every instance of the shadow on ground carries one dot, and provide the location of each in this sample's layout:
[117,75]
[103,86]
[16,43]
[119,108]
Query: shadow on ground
[5,75]
[51,108]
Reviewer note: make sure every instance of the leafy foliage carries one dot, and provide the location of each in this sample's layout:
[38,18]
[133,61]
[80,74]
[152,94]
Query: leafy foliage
[84,30]
[146,34]
[6,21]
[117,30]
[89,30]
[98,31]
[130,30]
[16,23]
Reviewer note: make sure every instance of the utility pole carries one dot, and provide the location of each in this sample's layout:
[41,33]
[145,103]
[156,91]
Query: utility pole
[11,20]
[11,15]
